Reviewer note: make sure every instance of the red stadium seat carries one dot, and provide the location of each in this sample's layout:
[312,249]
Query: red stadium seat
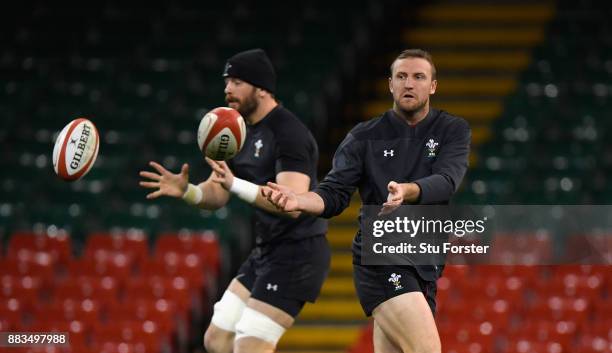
[527,274]
[510,288]
[562,270]
[160,311]
[122,347]
[525,346]
[589,343]
[469,332]
[102,289]
[562,332]
[103,263]
[174,289]
[132,243]
[86,311]
[11,313]
[521,249]
[76,329]
[600,328]
[28,263]
[205,244]
[560,309]
[498,312]
[456,271]
[27,288]
[172,264]
[603,308]
[464,347]
[572,285]
[589,248]
[144,333]
[58,245]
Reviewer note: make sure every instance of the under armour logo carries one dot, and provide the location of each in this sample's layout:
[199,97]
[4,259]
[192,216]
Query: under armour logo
[226,69]
[388,153]
[258,146]
[271,286]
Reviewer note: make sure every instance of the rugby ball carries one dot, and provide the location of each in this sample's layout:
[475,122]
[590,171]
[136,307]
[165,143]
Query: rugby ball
[76,149]
[221,133]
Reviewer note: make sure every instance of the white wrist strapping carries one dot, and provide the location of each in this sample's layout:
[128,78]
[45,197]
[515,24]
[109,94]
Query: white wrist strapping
[193,195]
[245,190]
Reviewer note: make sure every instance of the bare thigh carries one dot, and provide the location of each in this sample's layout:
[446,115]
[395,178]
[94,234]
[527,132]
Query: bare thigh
[407,322]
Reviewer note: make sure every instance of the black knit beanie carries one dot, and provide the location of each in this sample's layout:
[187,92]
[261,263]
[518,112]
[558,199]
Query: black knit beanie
[252,66]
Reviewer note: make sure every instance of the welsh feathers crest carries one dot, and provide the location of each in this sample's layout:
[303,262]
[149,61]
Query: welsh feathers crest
[431,146]
[395,279]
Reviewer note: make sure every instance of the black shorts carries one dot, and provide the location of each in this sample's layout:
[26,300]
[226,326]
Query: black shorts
[288,274]
[377,284]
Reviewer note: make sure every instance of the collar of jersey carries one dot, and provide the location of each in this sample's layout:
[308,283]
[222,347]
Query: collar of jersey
[417,130]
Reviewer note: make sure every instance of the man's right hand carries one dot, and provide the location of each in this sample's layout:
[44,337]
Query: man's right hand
[280,196]
[166,183]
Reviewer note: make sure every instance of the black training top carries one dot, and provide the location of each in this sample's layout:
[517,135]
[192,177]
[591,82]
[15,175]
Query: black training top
[432,154]
[280,142]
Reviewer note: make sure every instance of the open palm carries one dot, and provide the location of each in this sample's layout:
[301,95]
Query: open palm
[166,183]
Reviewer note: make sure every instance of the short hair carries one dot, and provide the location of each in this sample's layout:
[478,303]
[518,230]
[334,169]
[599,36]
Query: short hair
[416,53]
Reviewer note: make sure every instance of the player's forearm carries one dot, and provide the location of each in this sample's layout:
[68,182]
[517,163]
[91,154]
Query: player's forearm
[266,205]
[213,196]
[310,203]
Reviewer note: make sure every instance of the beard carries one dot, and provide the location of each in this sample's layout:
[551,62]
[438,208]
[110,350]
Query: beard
[246,106]
[412,108]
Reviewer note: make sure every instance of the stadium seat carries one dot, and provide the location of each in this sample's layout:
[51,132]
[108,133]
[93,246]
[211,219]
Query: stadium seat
[509,288]
[58,246]
[525,346]
[170,264]
[27,288]
[102,289]
[76,329]
[143,333]
[562,332]
[560,309]
[11,313]
[600,327]
[103,263]
[589,343]
[160,311]
[572,285]
[482,333]
[205,244]
[589,248]
[464,347]
[173,289]
[133,243]
[86,311]
[521,249]
[27,263]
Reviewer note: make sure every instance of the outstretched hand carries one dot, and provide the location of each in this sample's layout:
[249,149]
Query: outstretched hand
[166,183]
[221,173]
[394,199]
[280,196]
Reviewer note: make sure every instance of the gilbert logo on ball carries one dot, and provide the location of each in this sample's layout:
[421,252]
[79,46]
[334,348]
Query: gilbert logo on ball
[221,133]
[76,149]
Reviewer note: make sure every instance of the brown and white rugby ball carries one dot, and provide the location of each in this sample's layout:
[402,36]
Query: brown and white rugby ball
[76,149]
[221,133]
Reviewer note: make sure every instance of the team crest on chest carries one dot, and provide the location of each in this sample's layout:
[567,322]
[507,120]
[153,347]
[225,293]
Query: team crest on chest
[258,145]
[431,147]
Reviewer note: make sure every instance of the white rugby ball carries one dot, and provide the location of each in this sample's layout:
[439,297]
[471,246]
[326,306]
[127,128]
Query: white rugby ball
[76,149]
[221,133]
